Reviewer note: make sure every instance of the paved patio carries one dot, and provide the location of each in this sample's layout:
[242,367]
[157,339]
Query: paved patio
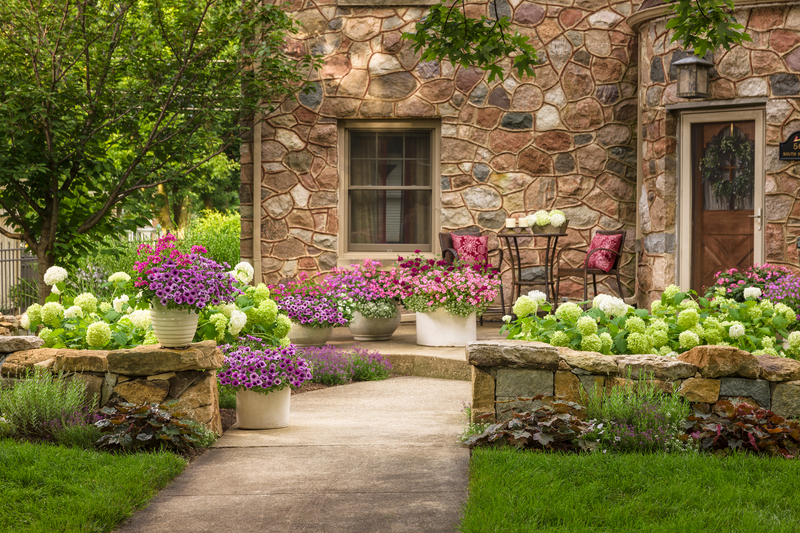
[410,359]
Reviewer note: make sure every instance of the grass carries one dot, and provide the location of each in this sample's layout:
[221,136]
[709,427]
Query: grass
[518,491]
[47,488]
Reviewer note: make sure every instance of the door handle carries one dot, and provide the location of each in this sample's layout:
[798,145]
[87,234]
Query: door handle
[758,216]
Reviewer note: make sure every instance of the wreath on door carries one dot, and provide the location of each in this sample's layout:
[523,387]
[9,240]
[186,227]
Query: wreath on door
[738,152]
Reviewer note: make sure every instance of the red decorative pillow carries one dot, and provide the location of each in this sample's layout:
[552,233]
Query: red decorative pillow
[471,249]
[604,260]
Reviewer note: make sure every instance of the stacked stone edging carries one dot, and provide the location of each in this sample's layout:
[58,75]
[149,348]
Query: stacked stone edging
[143,374]
[503,371]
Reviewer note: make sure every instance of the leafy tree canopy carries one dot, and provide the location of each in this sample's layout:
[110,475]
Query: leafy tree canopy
[703,25]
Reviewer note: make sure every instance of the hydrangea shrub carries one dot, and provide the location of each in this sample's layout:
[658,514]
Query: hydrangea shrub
[676,323]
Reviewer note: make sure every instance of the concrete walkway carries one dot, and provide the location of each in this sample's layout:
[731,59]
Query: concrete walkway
[368,457]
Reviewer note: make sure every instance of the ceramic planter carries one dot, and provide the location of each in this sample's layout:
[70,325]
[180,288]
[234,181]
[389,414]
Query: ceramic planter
[440,328]
[373,329]
[263,411]
[174,328]
[303,335]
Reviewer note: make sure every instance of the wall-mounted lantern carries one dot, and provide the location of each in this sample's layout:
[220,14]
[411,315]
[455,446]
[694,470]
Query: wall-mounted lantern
[693,77]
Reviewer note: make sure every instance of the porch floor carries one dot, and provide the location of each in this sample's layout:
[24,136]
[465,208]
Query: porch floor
[410,359]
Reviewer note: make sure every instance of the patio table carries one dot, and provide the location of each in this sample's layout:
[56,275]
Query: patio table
[511,238]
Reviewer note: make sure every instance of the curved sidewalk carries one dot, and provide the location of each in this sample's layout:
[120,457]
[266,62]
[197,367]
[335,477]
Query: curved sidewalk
[367,457]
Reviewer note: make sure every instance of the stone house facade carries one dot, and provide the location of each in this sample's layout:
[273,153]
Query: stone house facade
[389,150]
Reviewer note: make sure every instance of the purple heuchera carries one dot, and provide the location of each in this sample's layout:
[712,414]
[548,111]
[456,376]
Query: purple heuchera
[263,369]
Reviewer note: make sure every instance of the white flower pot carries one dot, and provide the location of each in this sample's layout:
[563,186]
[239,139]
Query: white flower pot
[373,329]
[303,335]
[174,328]
[440,328]
[262,411]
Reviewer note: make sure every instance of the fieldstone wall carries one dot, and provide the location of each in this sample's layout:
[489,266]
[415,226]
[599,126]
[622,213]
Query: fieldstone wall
[563,139]
[766,67]
[503,371]
[143,374]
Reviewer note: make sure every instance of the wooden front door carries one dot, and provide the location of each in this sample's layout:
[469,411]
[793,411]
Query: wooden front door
[723,198]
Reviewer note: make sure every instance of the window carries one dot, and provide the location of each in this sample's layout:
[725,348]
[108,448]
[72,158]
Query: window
[390,188]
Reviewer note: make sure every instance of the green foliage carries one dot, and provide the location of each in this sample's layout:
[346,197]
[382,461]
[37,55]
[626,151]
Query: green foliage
[446,33]
[227,398]
[518,491]
[705,25]
[369,366]
[22,293]
[150,426]
[44,407]
[555,426]
[677,323]
[47,488]
[731,149]
[218,233]
[725,427]
[470,428]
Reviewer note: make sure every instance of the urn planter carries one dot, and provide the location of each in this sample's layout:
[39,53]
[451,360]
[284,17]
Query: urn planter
[174,328]
[263,411]
[373,329]
[303,335]
[440,328]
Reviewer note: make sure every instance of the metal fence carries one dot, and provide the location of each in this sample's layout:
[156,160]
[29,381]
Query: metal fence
[18,280]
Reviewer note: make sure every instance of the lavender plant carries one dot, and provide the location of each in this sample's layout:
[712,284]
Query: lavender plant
[332,365]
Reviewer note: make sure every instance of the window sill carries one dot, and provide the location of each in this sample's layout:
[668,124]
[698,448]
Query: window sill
[386,259]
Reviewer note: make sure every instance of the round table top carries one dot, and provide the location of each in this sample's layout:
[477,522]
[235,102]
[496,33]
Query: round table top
[507,232]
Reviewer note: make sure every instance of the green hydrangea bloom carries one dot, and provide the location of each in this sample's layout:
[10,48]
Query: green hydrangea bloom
[264,314]
[87,302]
[259,293]
[52,313]
[712,322]
[284,341]
[657,324]
[524,306]
[768,342]
[688,339]
[569,312]
[794,342]
[282,325]
[639,343]
[671,291]
[754,312]
[688,318]
[767,351]
[105,307]
[635,324]
[656,306]
[659,337]
[220,323]
[713,335]
[47,336]
[787,312]
[766,305]
[35,314]
[607,342]
[591,343]
[98,334]
[688,303]
[664,350]
[559,338]
[586,325]
[150,338]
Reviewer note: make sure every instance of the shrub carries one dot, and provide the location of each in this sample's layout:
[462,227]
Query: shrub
[149,426]
[218,233]
[331,365]
[734,281]
[725,427]
[46,407]
[227,398]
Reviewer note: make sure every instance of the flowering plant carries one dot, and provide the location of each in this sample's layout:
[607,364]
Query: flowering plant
[367,287]
[677,323]
[736,281]
[425,285]
[555,218]
[313,304]
[182,281]
[253,365]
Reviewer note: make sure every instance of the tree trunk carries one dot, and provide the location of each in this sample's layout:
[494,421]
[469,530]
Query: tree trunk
[44,261]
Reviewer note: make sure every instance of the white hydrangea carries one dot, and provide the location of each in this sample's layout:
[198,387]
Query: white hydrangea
[118,303]
[243,272]
[119,276]
[74,311]
[557,219]
[141,318]
[55,275]
[237,322]
[506,318]
[54,290]
[736,330]
[541,217]
[752,292]
[25,321]
[537,296]
[610,305]
[226,309]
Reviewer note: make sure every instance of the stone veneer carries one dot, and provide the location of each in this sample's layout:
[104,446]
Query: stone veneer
[766,67]
[504,373]
[562,139]
[144,374]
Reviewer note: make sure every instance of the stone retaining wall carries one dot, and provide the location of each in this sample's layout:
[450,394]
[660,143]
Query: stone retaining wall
[140,375]
[503,371]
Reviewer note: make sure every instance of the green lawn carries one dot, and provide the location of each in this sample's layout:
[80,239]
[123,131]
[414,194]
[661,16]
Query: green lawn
[47,488]
[517,491]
